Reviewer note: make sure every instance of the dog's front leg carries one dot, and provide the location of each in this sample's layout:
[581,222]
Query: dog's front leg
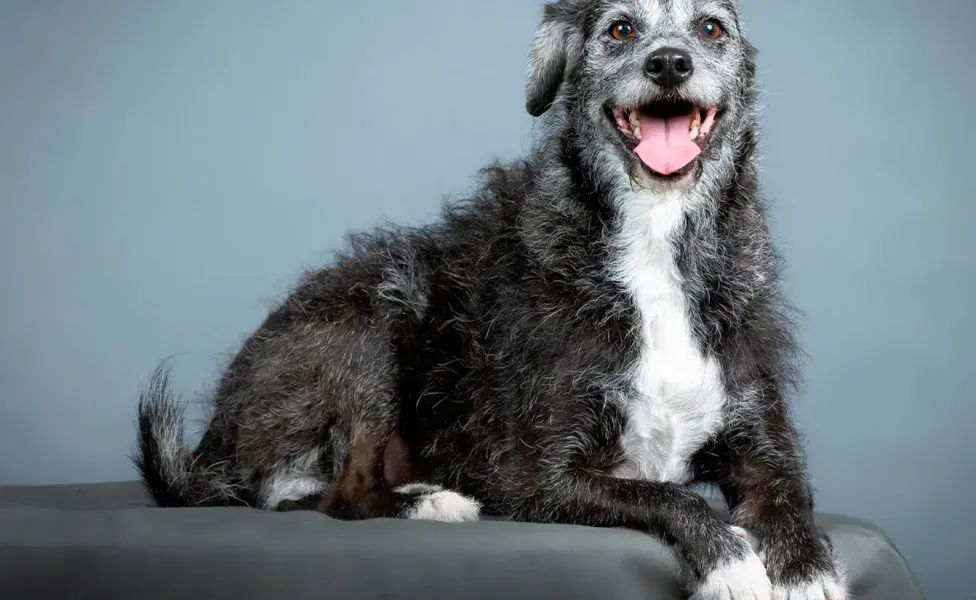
[721,562]
[769,496]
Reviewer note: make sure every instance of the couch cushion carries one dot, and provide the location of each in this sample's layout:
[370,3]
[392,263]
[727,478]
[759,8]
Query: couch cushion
[102,542]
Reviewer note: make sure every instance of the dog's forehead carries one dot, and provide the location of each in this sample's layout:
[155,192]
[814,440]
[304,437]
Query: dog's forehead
[662,12]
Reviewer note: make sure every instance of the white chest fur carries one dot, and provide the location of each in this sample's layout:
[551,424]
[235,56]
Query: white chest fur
[678,396]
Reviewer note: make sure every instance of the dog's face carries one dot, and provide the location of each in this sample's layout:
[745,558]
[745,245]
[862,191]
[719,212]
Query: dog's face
[654,83]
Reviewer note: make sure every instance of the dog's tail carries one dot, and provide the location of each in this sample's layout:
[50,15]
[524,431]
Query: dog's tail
[171,472]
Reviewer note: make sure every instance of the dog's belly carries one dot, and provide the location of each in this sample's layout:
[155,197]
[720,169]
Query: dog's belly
[677,395]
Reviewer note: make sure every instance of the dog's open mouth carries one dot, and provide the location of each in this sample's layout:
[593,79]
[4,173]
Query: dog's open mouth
[667,136]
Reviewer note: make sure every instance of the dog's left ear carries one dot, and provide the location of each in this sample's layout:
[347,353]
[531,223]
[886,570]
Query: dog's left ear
[549,60]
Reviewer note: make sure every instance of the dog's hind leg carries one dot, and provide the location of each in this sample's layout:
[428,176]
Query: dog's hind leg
[313,407]
[317,391]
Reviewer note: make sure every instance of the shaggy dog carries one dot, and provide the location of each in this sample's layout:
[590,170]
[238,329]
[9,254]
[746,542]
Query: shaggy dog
[596,327]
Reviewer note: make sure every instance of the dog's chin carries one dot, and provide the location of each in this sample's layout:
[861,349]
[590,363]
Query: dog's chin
[682,179]
[664,141]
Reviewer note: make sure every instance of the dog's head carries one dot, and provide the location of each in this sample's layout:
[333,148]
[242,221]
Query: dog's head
[656,85]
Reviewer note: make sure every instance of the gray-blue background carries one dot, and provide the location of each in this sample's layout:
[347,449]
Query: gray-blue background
[167,169]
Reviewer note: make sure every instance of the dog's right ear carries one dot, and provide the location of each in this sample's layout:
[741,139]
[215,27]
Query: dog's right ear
[548,62]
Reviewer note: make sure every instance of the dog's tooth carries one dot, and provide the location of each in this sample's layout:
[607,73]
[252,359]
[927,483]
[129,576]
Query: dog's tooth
[695,128]
[635,124]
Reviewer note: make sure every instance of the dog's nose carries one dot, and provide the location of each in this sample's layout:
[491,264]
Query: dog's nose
[669,67]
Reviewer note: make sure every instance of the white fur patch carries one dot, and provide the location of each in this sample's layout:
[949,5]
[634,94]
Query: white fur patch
[417,488]
[678,395]
[292,481]
[446,506]
[743,579]
[824,588]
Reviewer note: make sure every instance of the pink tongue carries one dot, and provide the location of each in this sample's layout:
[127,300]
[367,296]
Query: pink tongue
[665,146]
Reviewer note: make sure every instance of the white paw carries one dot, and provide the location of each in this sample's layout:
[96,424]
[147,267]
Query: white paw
[446,506]
[744,579]
[825,587]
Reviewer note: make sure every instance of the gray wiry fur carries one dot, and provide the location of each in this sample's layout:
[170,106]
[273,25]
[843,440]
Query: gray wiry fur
[575,342]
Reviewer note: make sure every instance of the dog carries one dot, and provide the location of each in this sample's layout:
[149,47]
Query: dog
[599,325]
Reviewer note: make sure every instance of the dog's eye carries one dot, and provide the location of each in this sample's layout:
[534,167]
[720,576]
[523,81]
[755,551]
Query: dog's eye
[710,30]
[621,30]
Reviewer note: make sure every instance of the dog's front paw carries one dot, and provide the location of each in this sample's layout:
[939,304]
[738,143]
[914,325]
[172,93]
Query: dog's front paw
[822,587]
[741,579]
[817,574]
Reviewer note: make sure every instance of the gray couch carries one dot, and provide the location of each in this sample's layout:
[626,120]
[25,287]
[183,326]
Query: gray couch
[105,542]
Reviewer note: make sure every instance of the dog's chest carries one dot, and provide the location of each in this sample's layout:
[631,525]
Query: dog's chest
[677,397]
